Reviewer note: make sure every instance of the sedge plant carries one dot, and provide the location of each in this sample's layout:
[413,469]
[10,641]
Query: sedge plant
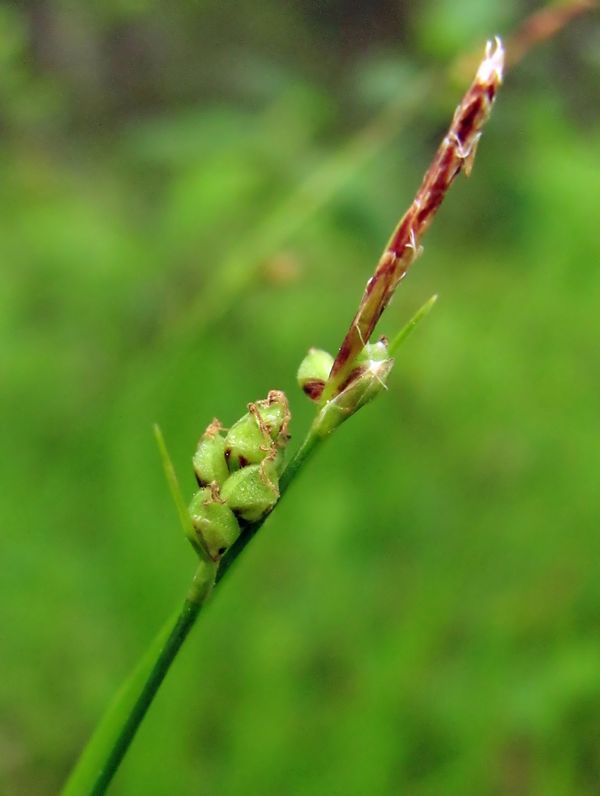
[241,470]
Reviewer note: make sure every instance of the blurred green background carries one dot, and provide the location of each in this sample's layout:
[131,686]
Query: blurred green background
[192,194]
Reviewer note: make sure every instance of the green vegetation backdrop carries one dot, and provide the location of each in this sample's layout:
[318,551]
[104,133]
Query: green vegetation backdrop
[192,194]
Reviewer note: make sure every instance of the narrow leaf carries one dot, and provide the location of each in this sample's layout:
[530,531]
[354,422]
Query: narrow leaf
[419,315]
[177,495]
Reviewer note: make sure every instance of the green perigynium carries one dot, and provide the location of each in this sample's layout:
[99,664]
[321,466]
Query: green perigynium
[259,432]
[253,491]
[213,521]
[209,459]
[313,372]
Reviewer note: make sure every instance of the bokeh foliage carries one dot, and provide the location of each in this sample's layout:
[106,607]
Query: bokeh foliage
[421,614]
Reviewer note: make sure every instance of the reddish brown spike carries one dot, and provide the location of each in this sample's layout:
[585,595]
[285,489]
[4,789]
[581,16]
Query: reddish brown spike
[454,155]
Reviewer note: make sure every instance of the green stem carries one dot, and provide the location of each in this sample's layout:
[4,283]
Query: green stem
[302,455]
[182,627]
[113,736]
[105,750]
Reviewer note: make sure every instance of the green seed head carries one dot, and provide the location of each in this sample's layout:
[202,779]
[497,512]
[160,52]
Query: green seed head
[252,491]
[313,372]
[259,432]
[213,521]
[209,460]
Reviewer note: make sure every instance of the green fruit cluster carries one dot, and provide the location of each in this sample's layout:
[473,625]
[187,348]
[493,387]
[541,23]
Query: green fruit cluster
[238,473]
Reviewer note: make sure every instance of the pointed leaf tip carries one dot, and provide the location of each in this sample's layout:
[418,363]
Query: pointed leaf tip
[406,330]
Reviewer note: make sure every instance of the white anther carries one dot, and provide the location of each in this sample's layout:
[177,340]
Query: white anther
[490,69]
